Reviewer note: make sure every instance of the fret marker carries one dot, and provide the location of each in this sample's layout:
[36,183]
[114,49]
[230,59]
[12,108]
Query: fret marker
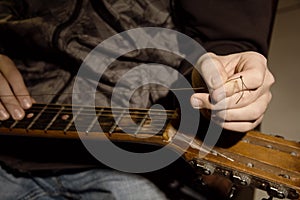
[94,121]
[29,115]
[36,118]
[65,117]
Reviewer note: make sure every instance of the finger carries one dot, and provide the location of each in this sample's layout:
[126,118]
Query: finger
[3,113]
[238,100]
[251,76]
[244,98]
[9,101]
[211,70]
[251,112]
[15,80]
[203,101]
[241,126]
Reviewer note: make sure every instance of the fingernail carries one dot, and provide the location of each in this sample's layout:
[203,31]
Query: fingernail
[26,103]
[196,103]
[3,115]
[17,114]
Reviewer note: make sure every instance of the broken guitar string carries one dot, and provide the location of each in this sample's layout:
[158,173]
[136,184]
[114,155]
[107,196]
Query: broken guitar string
[244,87]
[199,89]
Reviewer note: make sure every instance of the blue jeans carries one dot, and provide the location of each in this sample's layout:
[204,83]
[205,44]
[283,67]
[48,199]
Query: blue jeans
[93,184]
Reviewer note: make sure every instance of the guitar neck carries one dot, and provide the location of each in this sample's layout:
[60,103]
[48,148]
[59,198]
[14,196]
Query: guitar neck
[65,121]
[257,160]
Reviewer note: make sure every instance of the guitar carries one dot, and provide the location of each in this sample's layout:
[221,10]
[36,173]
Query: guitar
[256,160]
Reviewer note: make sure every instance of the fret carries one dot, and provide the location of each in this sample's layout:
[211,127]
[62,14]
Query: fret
[27,120]
[105,120]
[156,123]
[57,117]
[141,124]
[54,118]
[92,124]
[114,126]
[13,125]
[62,120]
[83,120]
[72,120]
[36,118]
[7,123]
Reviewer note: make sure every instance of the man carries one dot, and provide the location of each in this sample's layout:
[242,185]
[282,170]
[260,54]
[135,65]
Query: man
[235,34]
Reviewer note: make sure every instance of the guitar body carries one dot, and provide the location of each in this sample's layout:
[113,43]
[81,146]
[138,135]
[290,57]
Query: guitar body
[254,159]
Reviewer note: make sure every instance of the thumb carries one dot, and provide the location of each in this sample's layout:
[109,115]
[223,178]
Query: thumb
[210,70]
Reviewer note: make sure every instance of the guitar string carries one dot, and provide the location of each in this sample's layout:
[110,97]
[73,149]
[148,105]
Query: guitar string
[157,131]
[151,132]
[104,92]
[204,89]
[45,122]
[134,115]
[172,89]
[85,114]
[153,129]
[52,108]
[243,87]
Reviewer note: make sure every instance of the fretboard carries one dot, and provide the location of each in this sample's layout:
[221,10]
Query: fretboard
[62,118]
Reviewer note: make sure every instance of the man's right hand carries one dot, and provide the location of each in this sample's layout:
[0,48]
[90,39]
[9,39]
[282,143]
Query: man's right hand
[14,96]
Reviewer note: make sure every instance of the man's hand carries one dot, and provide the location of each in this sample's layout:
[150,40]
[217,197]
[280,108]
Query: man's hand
[239,88]
[14,96]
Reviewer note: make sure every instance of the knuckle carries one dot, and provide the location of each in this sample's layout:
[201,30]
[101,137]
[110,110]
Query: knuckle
[9,100]
[262,58]
[260,79]
[270,97]
[271,79]
[259,56]
[205,59]
[202,58]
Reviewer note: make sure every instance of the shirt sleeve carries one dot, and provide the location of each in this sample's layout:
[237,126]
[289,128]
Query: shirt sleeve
[225,27]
